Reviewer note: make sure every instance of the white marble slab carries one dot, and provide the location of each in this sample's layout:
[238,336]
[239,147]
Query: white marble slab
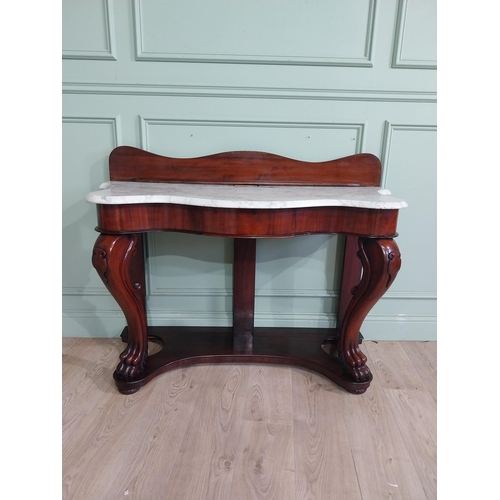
[241,196]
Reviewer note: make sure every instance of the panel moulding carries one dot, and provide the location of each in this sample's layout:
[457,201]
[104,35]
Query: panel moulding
[362,62]
[389,129]
[107,54]
[293,293]
[153,287]
[85,291]
[397,58]
[145,123]
[419,327]
[115,123]
[229,92]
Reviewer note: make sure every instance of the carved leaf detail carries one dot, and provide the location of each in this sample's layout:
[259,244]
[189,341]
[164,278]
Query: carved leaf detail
[100,263]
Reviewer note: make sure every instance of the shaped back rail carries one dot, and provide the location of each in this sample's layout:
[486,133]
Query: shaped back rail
[243,167]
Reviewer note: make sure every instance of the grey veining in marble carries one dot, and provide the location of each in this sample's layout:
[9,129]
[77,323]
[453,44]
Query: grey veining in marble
[242,196]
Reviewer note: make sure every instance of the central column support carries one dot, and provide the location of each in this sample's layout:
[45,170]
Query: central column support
[243,294]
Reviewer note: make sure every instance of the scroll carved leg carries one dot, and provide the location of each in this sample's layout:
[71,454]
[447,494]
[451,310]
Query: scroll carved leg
[381,261]
[119,261]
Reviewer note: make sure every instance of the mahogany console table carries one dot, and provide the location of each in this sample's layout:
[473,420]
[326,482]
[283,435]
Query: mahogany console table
[245,196]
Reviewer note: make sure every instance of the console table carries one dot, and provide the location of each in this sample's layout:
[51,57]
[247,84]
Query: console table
[245,196]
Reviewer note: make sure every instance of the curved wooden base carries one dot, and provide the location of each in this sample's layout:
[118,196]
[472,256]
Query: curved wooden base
[184,346]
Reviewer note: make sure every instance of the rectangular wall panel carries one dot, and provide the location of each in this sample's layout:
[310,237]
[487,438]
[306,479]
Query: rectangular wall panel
[411,171]
[316,33]
[292,139]
[416,35]
[86,145]
[88,30]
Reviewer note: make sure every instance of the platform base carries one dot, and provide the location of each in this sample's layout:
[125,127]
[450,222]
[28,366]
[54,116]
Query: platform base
[311,348]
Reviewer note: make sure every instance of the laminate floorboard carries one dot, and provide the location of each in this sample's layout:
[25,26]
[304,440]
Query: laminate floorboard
[423,356]
[324,465]
[249,431]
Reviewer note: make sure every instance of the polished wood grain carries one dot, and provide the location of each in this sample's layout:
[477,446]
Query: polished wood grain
[249,223]
[185,346]
[351,276]
[119,261]
[370,248]
[381,262]
[243,294]
[243,167]
[251,432]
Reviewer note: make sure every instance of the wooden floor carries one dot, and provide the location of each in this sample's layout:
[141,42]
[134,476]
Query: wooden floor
[241,432]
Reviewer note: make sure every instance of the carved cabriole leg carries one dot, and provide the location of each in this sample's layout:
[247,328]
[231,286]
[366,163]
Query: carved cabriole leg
[381,261]
[119,261]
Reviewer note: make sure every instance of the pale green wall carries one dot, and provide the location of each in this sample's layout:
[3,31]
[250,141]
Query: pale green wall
[308,80]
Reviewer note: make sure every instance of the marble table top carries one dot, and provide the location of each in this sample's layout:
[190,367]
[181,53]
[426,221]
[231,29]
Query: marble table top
[244,196]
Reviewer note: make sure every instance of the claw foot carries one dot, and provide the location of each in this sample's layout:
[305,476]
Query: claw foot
[354,363]
[133,359]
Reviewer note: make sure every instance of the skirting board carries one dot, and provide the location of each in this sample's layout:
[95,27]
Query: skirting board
[109,324]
